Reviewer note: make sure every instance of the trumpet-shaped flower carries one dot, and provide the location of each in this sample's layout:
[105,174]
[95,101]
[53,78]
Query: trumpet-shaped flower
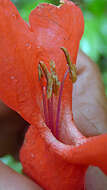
[37,71]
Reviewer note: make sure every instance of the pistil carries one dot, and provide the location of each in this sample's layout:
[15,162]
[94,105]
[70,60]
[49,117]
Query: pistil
[52,89]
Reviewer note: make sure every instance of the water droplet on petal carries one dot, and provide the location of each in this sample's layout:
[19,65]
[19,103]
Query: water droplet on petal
[12,77]
[38,47]
[28,45]
[15,16]
[32,155]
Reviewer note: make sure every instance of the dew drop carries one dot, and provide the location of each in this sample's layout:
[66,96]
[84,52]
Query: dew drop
[15,16]
[12,77]
[32,155]
[28,45]
[38,47]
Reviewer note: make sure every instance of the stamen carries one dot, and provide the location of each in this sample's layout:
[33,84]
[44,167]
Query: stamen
[72,67]
[48,78]
[56,82]
[50,113]
[52,89]
[44,106]
[59,103]
[43,88]
[40,73]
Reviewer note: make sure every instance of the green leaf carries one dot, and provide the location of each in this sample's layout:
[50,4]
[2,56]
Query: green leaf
[12,163]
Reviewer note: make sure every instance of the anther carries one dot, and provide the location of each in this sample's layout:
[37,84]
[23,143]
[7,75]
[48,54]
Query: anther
[72,67]
[48,78]
[40,73]
[56,82]
[54,87]
[52,79]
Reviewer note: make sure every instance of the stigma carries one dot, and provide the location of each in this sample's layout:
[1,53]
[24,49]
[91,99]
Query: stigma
[54,89]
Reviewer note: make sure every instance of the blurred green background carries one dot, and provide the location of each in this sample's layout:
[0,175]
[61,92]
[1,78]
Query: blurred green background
[94,41]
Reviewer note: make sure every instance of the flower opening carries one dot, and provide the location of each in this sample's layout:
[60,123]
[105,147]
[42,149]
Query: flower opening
[52,89]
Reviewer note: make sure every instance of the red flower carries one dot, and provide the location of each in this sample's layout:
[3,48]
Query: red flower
[51,159]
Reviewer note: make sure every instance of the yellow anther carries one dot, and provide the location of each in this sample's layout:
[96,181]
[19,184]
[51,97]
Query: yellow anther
[52,66]
[44,69]
[48,78]
[56,82]
[40,73]
[52,80]
[73,73]
[72,67]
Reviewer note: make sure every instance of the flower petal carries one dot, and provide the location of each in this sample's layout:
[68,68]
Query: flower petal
[18,58]
[58,27]
[55,165]
[92,152]
[42,157]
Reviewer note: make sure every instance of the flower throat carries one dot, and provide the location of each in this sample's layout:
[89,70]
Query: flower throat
[54,88]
